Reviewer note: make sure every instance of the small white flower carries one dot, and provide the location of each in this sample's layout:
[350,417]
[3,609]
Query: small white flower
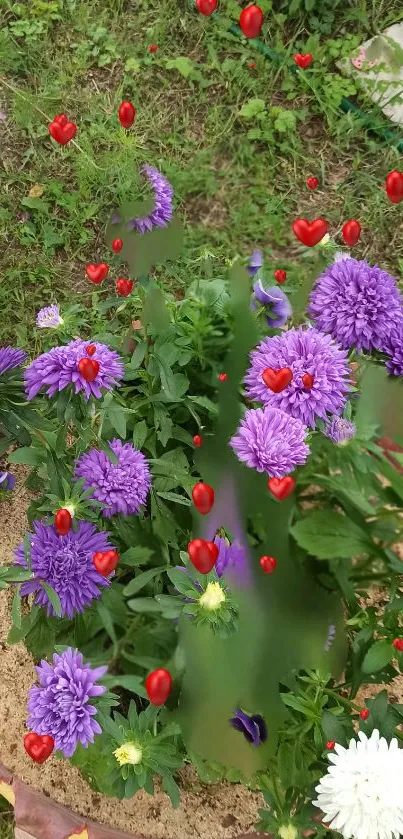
[129,753]
[49,318]
[212,598]
[361,796]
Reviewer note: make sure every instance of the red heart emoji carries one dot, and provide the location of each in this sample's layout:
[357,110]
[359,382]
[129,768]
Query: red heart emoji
[124,287]
[310,233]
[308,381]
[267,564]
[203,555]
[312,183]
[61,119]
[203,497]
[89,368]
[251,21]
[91,349]
[281,487]
[277,380]
[105,562]
[394,186]
[39,746]
[158,686]
[351,232]
[280,276]
[126,114]
[303,60]
[62,131]
[206,7]
[97,273]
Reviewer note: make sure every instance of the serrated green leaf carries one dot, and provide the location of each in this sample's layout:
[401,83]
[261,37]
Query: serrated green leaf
[142,580]
[378,656]
[329,535]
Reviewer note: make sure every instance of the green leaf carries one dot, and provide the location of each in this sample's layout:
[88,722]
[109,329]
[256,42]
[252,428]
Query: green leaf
[142,580]
[378,656]
[27,456]
[140,432]
[329,535]
[136,556]
[16,609]
[144,604]
[117,418]
[333,728]
[182,64]
[129,682]
[175,498]
[253,108]
[107,621]
[171,788]
[53,597]
[138,355]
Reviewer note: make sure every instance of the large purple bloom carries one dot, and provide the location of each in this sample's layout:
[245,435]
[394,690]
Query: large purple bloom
[271,441]
[66,564]
[162,210]
[11,358]
[122,487]
[59,705]
[356,303]
[393,347]
[303,350]
[278,307]
[58,368]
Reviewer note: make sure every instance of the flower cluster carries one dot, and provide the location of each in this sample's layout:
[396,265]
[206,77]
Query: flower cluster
[58,369]
[120,487]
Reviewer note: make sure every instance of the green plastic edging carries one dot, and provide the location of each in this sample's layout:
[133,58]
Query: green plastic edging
[345,105]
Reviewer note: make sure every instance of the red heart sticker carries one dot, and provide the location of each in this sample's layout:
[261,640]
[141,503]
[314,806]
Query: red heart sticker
[351,232]
[303,60]
[62,131]
[88,368]
[394,186]
[277,380]
[97,273]
[39,746]
[310,233]
[203,555]
[281,487]
[105,562]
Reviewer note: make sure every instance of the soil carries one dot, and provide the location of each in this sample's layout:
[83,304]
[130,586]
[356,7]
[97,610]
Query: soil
[215,811]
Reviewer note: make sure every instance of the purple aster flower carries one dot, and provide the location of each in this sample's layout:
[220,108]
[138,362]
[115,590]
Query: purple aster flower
[122,487]
[252,727]
[59,705]
[11,358]
[162,210]
[58,368]
[271,441]
[276,301]
[49,317]
[231,556]
[393,347]
[303,350]
[356,303]
[255,262]
[7,481]
[340,430]
[65,563]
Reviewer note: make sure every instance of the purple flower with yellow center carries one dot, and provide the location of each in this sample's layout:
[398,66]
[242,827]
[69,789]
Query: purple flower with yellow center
[7,481]
[10,359]
[393,347]
[255,262]
[49,317]
[66,564]
[340,430]
[162,210]
[60,705]
[253,727]
[58,368]
[303,350]
[275,301]
[270,441]
[121,487]
[356,303]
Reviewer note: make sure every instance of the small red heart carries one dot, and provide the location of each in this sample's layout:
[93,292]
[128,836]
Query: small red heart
[310,233]
[203,555]
[88,368]
[126,114]
[251,21]
[223,377]
[277,380]
[308,380]
[268,564]
[394,186]
[105,562]
[124,287]
[153,48]
[364,714]
[280,276]
[330,744]
[312,183]
[62,522]
[158,685]
[97,273]
[62,131]
[351,232]
[252,65]
[197,441]
[91,349]
[39,746]
[117,245]
[398,644]
[281,487]
[203,497]
[303,60]
[206,7]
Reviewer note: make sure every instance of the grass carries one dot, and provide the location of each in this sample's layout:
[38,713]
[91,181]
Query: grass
[6,820]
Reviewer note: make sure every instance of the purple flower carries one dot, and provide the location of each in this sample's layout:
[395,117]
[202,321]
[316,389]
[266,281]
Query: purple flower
[122,487]
[230,556]
[255,262]
[277,302]
[7,481]
[303,350]
[59,705]
[252,727]
[49,317]
[330,637]
[65,563]
[11,358]
[356,303]
[340,430]
[393,347]
[58,368]
[271,441]
[162,210]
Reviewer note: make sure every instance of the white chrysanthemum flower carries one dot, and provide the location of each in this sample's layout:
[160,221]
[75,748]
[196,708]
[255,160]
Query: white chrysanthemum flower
[362,794]
[129,753]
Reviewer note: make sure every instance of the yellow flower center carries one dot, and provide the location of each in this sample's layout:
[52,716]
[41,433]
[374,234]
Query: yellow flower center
[212,598]
[288,831]
[128,753]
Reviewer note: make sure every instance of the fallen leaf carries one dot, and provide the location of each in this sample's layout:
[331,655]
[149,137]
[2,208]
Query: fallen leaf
[7,792]
[36,191]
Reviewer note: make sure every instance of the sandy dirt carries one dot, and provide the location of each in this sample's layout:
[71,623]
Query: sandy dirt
[209,812]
